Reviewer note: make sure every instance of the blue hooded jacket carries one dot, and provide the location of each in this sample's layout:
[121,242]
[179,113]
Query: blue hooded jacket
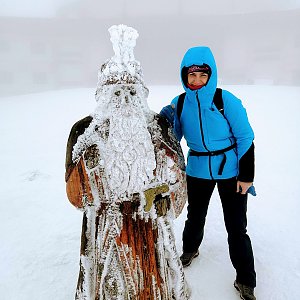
[205,128]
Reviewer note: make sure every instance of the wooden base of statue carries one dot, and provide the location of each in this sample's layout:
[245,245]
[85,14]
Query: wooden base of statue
[130,269]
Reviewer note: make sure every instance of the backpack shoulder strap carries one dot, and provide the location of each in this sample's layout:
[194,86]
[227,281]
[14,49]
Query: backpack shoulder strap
[180,104]
[218,101]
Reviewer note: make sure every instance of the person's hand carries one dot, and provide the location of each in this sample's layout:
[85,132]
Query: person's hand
[242,187]
[168,113]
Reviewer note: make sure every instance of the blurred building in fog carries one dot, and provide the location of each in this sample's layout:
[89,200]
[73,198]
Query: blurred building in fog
[66,51]
[44,54]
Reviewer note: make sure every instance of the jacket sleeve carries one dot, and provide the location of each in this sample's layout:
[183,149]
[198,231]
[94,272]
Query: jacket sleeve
[246,166]
[176,123]
[237,118]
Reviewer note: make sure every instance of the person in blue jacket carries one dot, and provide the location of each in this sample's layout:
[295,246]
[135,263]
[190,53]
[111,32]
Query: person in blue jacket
[221,153]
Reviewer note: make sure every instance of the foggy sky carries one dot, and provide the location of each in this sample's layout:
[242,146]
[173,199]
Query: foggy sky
[49,8]
[61,43]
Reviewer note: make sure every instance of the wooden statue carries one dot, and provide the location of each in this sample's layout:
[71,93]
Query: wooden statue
[125,171]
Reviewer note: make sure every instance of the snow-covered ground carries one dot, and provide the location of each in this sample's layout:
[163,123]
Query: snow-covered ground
[40,230]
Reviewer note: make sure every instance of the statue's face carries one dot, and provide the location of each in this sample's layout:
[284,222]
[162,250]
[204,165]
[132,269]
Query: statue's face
[125,98]
[122,96]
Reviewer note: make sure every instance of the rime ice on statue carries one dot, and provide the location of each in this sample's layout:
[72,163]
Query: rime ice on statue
[125,170]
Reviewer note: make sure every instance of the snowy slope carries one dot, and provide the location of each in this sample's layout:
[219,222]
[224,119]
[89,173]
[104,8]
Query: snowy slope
[40,230]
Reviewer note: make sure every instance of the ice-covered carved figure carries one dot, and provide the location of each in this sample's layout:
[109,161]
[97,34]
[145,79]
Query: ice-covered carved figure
[123,39]
[125,171]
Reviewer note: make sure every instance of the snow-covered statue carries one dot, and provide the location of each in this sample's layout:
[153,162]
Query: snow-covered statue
[125,171]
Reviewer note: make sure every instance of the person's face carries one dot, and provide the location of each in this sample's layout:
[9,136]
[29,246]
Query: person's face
[197,78]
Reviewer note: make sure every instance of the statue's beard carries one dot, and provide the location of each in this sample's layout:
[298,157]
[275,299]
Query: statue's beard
[119,129]
[129,152]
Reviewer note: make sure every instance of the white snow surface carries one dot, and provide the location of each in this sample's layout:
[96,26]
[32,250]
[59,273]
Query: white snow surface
[40,229]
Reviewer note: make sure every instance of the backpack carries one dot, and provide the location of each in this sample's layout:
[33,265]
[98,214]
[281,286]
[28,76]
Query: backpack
[218,101]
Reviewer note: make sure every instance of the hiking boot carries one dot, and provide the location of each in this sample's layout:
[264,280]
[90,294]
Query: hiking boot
[187,257]
[246,292]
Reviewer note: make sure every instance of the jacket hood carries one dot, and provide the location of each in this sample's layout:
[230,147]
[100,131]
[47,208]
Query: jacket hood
[200,56]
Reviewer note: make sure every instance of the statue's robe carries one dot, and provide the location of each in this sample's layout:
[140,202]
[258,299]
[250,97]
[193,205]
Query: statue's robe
[128,248]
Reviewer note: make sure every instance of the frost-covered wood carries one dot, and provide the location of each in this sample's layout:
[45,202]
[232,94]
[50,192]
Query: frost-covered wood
[125,171]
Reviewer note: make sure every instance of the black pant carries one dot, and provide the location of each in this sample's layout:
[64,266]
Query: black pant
[235,217]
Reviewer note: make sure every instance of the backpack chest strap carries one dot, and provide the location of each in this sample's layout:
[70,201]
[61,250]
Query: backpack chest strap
[214,153]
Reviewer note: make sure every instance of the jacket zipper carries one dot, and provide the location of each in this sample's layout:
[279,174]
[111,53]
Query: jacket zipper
[202,135]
